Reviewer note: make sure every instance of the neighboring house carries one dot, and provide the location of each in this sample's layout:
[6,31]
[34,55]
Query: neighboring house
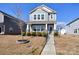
[42,18]
[73,27]
[63,31]
[10,24]
[61,28]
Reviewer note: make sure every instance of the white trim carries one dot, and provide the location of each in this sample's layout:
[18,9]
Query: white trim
[54,26]
[2,32]
[27,28]
[46,26]
[45,7]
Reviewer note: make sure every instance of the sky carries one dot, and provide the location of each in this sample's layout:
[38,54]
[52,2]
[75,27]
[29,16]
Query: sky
[66,12]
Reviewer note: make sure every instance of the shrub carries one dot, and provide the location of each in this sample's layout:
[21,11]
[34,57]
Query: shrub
[39,34]
[44,34]
[33,33]
[23,33]
[28,34]
[56,34]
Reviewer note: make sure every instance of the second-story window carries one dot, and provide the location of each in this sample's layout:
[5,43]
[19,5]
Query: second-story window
[42,16]
[38,16]
[34,17]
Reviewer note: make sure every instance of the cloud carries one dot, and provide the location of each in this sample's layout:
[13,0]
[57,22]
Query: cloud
[61,23]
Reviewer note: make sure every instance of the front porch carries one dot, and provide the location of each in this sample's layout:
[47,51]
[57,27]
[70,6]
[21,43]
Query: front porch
[40,27]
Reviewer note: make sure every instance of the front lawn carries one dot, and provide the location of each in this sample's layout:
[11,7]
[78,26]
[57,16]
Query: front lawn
[67,45]
[8,45]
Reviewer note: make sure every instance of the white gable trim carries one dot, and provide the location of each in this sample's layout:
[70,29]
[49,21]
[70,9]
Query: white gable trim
[42,8]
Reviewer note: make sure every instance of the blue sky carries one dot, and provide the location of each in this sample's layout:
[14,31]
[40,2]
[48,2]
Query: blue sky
[66,12]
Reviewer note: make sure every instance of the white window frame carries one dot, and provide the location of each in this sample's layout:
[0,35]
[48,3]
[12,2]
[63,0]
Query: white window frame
[34,16]
[43,16]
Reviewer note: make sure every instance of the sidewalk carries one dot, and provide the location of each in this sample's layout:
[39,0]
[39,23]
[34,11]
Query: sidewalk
[49,48]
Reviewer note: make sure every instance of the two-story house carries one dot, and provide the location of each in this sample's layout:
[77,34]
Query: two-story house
[10,24]
[42,18]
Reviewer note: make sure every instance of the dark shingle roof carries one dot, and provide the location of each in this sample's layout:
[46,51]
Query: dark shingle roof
[14,18]
[72,21]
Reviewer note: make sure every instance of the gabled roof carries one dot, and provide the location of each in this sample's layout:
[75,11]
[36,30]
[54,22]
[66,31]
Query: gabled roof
[72,21]
[44,8]
[8,15]
[12,17]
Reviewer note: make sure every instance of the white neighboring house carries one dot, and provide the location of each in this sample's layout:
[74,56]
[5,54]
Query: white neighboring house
[63,31]
[61,28]
[42,18]
[73,27]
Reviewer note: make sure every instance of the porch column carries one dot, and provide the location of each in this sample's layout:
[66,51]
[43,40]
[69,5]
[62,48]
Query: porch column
[46,28]
[54,26]
[30,28]
[54,16]
[27,28]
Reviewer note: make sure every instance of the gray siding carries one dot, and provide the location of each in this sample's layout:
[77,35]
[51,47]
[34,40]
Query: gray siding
[12,23]
[8,22]
[70,28]
[1,18]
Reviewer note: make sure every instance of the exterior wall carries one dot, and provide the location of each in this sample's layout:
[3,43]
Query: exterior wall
[70,28]
[39,11]
[1,18]
[53,17]
[2,27]
[11,23]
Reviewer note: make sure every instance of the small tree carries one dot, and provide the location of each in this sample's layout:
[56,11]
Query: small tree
[19,13]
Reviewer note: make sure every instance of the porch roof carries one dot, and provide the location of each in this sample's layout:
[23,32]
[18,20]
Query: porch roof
[40,22]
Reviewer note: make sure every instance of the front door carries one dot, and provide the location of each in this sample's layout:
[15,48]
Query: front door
[50,29]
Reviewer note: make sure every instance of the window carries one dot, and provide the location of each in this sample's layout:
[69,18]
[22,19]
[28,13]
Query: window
[38,29]
[35,17]
[42,16]
[38,16]
[10,29]
[34,29]
[78,30]
[75,30]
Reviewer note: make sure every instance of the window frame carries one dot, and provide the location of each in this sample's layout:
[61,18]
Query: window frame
[75,30]
[38,16]
[42,16]
[35,17]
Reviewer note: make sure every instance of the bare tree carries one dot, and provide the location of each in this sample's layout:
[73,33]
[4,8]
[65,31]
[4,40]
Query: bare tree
[17,10]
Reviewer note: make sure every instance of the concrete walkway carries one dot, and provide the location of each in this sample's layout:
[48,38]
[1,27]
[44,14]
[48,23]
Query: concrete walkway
[49,48]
